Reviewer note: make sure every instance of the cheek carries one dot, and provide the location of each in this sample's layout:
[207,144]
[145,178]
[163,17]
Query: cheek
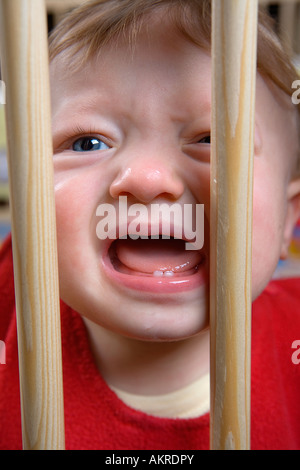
[77,195]
[68,236]
[68,214]
[76,239]
[76,223]
[268,216]
[197,179]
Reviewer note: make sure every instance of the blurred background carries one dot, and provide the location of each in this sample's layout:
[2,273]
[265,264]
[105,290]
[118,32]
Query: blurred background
[286,14]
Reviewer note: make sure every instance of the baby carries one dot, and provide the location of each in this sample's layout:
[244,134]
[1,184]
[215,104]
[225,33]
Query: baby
[131,105]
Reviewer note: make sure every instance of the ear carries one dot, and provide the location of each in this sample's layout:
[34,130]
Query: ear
[292,215]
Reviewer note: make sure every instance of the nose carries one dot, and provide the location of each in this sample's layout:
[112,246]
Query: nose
[147,180]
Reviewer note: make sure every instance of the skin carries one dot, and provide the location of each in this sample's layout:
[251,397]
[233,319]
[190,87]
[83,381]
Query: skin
[151,107]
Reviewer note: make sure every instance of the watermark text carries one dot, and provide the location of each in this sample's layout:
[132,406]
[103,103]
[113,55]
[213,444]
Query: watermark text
[296,94]
[2,353]
[153,459]
[2,92]
[179,221]
[296,353]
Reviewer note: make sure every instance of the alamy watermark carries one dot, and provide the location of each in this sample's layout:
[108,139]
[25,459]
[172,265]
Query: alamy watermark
[2,92]
[296,354]
[179,221]
[2,353]
[296,94]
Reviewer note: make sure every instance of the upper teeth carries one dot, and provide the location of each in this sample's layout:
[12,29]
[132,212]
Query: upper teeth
[163,273]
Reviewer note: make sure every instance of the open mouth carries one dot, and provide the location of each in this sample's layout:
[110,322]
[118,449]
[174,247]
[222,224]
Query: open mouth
[157,265]
[154,257]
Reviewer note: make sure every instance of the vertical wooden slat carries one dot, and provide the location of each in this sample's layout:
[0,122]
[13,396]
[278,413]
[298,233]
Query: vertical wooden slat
[234,40]
[26,73]
[287,25]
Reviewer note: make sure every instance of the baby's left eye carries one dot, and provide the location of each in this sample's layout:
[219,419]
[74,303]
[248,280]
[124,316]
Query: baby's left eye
[88,144]
[204,140]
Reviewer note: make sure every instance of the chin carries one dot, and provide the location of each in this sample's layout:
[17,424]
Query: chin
[171,329]
[145,319]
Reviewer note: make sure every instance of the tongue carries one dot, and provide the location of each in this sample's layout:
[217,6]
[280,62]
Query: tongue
[148,256]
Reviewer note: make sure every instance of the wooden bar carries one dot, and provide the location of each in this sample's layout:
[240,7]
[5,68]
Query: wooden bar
[234,42]
[287,25]
[26,74]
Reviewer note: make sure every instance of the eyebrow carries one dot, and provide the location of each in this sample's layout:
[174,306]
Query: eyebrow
[81,103]
[78,105]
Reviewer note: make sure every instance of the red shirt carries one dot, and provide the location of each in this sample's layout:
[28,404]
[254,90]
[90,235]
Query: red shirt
[96,419]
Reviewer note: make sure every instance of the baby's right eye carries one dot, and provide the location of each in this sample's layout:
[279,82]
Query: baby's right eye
[88,144]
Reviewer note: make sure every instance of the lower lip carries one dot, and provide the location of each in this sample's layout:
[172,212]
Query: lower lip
[153,284]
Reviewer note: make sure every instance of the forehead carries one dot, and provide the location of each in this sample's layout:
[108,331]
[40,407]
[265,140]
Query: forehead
[160,60]
[153,34]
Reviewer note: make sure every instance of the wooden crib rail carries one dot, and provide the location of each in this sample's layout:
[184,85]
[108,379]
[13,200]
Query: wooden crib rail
[26,73]
[234,45]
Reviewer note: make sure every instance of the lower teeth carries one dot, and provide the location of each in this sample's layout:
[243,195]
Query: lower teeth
[163,273]
[158,273]
[172,273]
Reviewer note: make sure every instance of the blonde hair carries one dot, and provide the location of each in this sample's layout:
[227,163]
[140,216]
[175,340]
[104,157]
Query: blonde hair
[97,22]
[89,27]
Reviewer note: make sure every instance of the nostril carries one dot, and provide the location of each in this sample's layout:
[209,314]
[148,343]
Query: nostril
[169,196]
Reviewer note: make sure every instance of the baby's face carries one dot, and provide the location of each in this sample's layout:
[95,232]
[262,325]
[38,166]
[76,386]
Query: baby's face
[135,124]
